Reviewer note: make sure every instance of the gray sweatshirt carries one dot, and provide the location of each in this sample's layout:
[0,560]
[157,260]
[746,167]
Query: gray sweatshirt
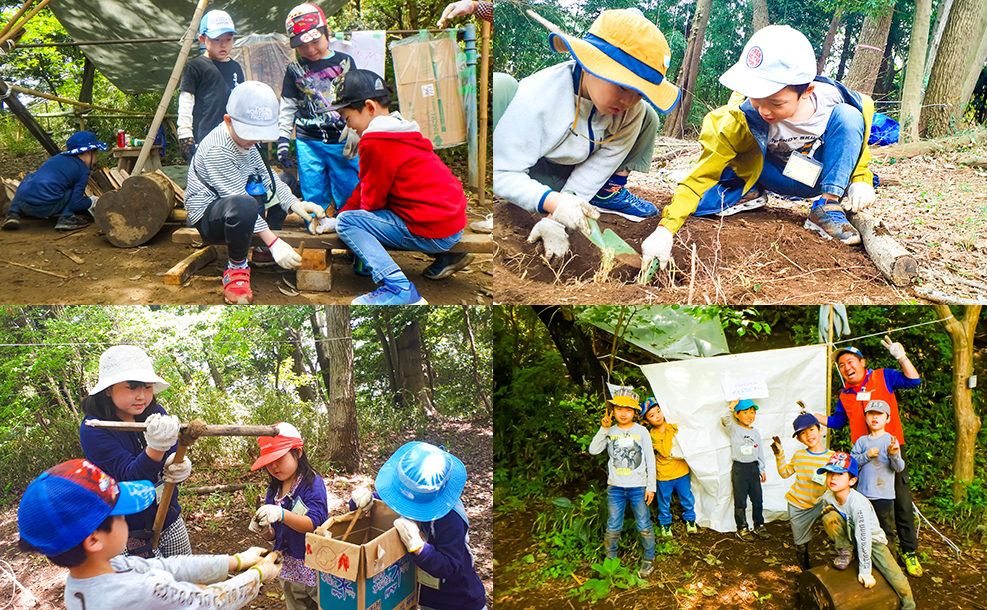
[163,584]
[745,443]
[632,460]
[862,525]
[876,480]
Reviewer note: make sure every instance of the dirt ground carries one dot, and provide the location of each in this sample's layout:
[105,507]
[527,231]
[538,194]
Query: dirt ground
[217,523]
[717,570]
[938,212]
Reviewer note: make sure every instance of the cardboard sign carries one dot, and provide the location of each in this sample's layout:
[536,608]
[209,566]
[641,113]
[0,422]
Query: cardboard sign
[428,87]
[754,386]
[366,48]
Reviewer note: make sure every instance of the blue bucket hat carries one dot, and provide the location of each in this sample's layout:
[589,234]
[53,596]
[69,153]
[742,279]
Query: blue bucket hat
[421,482]
[81,142]
[648,405]
[744,404]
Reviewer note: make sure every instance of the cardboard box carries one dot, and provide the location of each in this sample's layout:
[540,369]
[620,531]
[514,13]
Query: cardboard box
[427,77]
[378,574]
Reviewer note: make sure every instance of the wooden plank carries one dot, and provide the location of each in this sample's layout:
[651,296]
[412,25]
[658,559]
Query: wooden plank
[313,259]
[482,244]
[181,272]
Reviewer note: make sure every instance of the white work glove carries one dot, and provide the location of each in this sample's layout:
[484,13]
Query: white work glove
[859,196]
[249,558]
[867,580]
[304,208]
[362,497]
[456,9]
[162,432]
[352,142]
[657,245]
[896,349]
[324,225]
[268,514]
[176,473]
[269,566]
[552,234]
[410,534]
[573,211]
[284,255]
[93,199]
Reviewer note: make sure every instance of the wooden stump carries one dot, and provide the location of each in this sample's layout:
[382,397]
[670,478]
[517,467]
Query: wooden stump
[895,263]
[826,588]
[134,214]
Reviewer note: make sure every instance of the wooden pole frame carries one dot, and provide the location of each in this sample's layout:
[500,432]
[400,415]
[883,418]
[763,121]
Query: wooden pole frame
[484,84]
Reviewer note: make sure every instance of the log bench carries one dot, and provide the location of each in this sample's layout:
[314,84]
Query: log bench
[476,243]
[826,588]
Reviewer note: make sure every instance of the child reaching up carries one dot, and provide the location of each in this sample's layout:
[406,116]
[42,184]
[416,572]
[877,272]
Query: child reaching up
[295,504]
[673,472]
[878,456]
[747,472]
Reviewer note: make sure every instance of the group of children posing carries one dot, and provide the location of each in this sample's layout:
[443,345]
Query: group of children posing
[95,515]
[641,461]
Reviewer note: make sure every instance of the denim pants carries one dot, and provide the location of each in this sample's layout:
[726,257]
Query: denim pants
[47,210]
[746,479]
[326,175]
[368,234]
[617,497]
[682,486]
[838,153]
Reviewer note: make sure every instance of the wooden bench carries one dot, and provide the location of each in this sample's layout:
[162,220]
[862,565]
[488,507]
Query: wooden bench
[476,243]
[127,156]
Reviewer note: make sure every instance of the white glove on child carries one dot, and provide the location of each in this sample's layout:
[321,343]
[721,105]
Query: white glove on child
[859,196]
[657,245]
[456,9]
[867,580]
[268,514]
[362,497]
[410,534]
[162,432]
[284,255]
[304,208]
[552,235]
[176,473]
[573,211]
[351,139]
[323,225]
[896,349]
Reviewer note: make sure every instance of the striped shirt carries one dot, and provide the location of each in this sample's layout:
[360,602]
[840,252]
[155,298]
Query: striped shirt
[224,166]
[808,486]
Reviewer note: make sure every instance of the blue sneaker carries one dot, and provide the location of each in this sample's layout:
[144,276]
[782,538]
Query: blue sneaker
[619,199]
[829,221]
[389,294]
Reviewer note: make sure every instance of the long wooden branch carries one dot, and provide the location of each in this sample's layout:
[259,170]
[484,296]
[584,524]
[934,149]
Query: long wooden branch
[208,430]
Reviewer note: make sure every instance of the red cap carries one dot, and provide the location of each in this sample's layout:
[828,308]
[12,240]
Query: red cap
[273,448]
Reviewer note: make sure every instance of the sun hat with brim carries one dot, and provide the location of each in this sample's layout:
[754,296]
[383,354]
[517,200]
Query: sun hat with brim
[126,363]
[847,350]
[623,47]
[66,504]
[744,404]
[421,482]
[839,462]
[273,448]
[253,108]
[775,57]
[82,141]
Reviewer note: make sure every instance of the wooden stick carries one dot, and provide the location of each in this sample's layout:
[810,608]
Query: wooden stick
[24,7]
[692,277]
[20,26]
[210,430]
[74,258]
[169,489]
[64,277]
[62,100]
[551,27]
[177,275]
[484,80]
[353,520]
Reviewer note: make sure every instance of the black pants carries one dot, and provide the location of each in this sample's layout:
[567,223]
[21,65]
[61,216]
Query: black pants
[230,221]
[885,516]
[904,516]
[746,479]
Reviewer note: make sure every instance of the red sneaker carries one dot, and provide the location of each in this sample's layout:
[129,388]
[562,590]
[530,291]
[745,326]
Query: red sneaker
[236,287]
[262,257]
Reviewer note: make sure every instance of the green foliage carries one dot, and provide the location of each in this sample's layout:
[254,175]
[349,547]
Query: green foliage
[611,574]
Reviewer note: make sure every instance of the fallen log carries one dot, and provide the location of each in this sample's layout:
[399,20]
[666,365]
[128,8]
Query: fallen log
[208,489]
[914,149]
[947,299]
[826,588]
[136,212]
[895,263]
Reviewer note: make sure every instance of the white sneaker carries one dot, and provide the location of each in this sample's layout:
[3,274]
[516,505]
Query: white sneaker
[483,226]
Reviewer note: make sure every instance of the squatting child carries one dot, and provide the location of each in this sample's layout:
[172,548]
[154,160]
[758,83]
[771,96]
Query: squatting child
[878,456]
[804,506]
[747,472]
[631,473]
[74,515]
[851,517]
[672,472]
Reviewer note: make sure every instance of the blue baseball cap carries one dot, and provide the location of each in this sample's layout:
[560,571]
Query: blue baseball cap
[744,404]
[840,462]
[82,141]
[65,504]
[421,482]
[847,350]
[803,422]
[216,23]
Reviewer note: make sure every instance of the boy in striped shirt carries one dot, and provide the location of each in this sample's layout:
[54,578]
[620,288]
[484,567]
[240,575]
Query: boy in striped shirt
[804,505]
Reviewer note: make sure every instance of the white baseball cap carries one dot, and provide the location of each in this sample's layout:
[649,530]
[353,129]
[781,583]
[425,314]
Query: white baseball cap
[775,57]
[126,363]
[253,108]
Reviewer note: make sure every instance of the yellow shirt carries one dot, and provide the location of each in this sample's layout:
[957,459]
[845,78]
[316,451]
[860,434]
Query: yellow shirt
[808,487]
[668,468]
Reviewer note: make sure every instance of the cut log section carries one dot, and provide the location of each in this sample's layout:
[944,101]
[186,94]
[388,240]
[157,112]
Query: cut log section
[181,272]
[481,243]
[826,588]
[895,263]
[134,214]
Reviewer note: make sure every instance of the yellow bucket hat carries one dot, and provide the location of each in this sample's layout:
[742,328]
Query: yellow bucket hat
[625,397]
[623,47]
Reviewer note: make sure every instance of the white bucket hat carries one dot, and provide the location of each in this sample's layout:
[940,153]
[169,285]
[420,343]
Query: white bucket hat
[775,57]
[126,363]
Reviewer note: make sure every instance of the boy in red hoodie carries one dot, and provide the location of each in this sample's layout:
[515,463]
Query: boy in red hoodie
[407,198]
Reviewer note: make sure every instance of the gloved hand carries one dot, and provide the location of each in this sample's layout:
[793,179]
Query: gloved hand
[304,208]
[552,235]
[776,445]
[352,142]
[867,580]
[268,514]
[362,497]
[162,432]
[827,509]
[249,558]
[283,158]
[456,9]
[284,255]
[255,526]
[269,566]
[410,534]
[573,211]
[896,349]
[93,199]
[657,245]
[859,196]
[176,473]
[187,146]
[325,225]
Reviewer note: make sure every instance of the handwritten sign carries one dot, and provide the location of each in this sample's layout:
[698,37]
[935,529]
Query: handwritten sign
[366,48]
[754,386]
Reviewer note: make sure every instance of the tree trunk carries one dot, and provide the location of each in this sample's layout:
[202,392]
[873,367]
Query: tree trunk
[961,333]
[676,119]
[845,52]
[911,95]
[977,59]
[305,392]
[834,27]
[942,16]
[868,55]
[760,15]
[583,365]
[942,114]
[410,372]
[476,361]
[342,438]
[427,360]
[385,348]
[217,376]
[321,351]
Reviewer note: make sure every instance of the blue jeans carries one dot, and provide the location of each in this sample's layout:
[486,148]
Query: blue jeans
[839,152]
[617,497]
[326,175]
[368,233]
[683,486]
[47,210]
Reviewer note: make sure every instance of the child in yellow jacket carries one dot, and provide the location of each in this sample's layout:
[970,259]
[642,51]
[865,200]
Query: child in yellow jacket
[672,472]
